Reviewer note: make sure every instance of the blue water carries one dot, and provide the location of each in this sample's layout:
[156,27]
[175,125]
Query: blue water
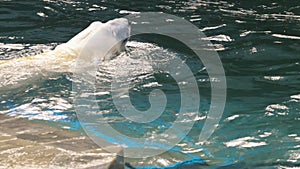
[257,41]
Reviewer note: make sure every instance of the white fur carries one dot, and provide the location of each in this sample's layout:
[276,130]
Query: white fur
[99,41]
[97,38]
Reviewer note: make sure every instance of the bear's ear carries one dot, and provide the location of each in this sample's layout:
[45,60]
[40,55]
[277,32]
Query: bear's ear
[114,29]
[113,32]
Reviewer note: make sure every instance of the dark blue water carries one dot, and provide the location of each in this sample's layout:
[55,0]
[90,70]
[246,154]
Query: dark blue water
[258,43]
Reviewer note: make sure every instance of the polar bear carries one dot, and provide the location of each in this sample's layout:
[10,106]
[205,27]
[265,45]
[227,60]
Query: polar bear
[98,42]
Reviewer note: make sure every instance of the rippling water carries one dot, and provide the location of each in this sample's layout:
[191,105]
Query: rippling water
[258,43]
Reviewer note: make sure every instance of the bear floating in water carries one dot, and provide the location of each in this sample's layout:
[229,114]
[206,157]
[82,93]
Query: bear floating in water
[98,42]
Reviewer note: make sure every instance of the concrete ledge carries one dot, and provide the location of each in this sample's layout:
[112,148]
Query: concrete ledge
[27,144]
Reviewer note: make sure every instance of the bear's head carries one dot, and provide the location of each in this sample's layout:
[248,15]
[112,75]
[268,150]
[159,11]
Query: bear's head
[99,41]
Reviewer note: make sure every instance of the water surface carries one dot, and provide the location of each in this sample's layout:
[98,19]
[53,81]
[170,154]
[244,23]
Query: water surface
[258,43]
